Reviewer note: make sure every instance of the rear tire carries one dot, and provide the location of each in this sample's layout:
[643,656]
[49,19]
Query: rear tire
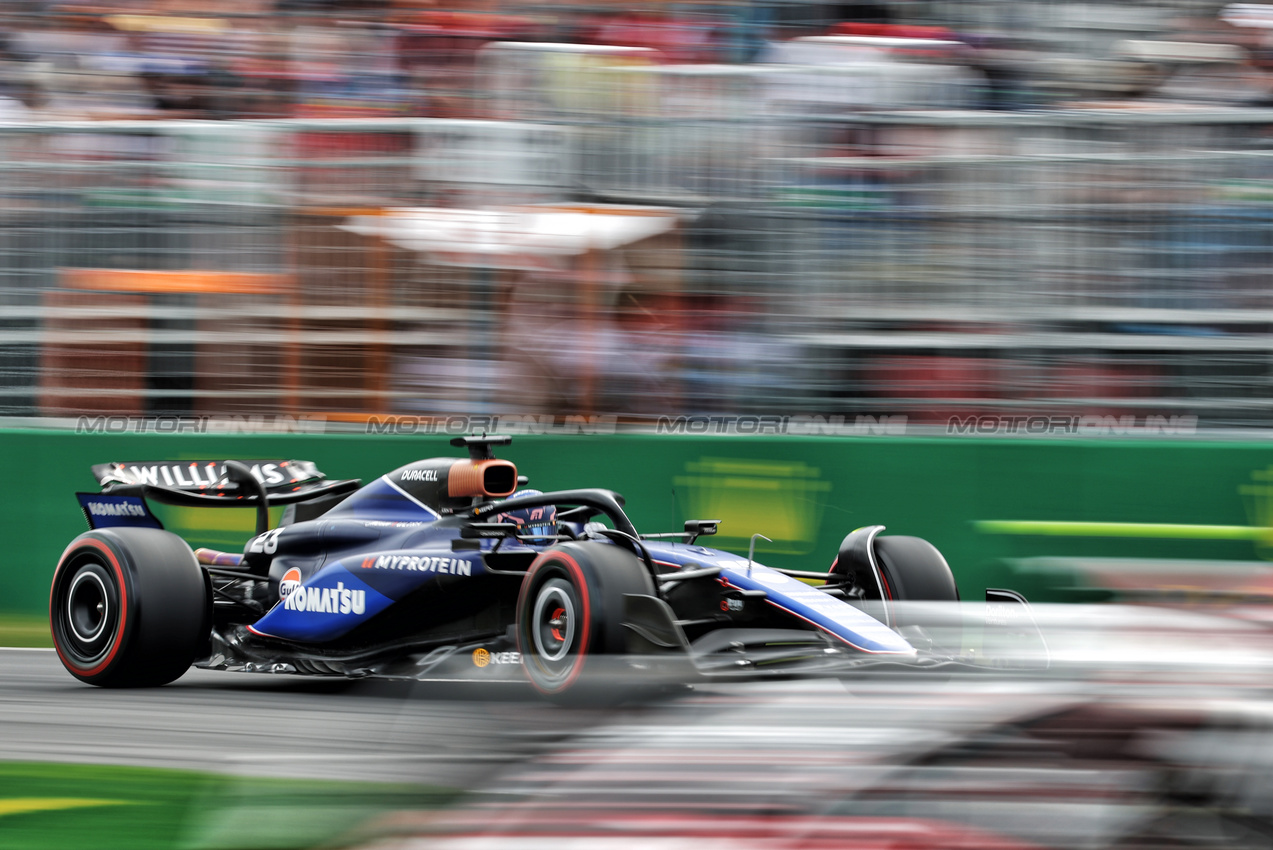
[570,621]
[129,607]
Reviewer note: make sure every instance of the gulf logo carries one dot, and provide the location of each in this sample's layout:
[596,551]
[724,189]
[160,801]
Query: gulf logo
[290,581]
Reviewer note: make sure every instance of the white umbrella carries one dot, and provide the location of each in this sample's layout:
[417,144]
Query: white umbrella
[513,237]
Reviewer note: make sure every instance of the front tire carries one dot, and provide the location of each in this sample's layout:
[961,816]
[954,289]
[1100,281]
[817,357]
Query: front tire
[911,570]
[570,620]
[129,607]
[915,571]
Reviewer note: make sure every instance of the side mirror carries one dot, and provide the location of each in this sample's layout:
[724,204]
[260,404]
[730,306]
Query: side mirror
[695,528]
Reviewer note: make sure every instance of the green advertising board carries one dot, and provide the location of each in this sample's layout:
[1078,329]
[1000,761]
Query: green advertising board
[990,504]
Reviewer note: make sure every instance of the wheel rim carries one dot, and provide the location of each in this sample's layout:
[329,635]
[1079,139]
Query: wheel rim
[553,622]
[87,607]
[86,613]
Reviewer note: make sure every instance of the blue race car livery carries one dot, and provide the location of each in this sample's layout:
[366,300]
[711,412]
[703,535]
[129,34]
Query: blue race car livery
[445,568]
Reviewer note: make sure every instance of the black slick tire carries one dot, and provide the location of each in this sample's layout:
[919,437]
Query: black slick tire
[129,607]
[569,621]
[915,571]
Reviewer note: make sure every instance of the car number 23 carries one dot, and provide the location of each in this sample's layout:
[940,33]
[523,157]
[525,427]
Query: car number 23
[265,544]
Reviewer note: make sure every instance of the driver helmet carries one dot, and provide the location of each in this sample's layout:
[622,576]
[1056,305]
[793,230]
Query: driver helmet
[541,520]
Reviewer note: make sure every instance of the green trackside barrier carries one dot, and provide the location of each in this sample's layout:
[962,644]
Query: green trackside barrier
[986,503]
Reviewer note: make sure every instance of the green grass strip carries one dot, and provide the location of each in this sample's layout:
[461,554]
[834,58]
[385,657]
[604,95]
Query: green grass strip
[1161,530]
[46,806]
[25,630]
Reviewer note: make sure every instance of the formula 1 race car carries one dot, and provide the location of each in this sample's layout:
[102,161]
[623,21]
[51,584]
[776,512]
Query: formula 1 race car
[443,568]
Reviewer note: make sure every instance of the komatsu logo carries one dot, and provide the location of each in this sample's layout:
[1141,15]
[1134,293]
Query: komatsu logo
[420,564]
[115,509]
[326,600]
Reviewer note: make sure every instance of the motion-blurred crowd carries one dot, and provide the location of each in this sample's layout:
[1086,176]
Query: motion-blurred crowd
[375,58]
[929,208]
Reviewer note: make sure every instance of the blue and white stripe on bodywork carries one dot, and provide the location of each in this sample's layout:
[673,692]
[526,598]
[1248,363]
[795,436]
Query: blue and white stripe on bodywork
[826,613]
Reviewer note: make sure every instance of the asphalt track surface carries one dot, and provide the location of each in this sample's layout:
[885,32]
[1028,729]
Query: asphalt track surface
[456,735]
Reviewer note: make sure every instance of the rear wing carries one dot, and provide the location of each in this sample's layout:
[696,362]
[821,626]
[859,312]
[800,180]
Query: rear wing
[261,484]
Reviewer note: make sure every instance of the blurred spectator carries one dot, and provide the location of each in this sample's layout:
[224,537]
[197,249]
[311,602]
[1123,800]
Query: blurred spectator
[678,37]
[261,65]
[575,341]
[437,56]
[1004,62]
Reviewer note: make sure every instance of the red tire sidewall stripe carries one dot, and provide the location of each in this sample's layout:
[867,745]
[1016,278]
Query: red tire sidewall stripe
[113,560]
[888,589]
[585,630]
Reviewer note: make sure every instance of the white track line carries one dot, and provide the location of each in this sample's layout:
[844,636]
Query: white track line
[27,649]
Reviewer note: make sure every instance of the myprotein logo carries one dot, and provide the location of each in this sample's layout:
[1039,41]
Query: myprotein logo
[419,564]
[326,600]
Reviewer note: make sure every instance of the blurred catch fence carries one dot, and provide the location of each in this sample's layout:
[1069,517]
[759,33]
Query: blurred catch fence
[681,240]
